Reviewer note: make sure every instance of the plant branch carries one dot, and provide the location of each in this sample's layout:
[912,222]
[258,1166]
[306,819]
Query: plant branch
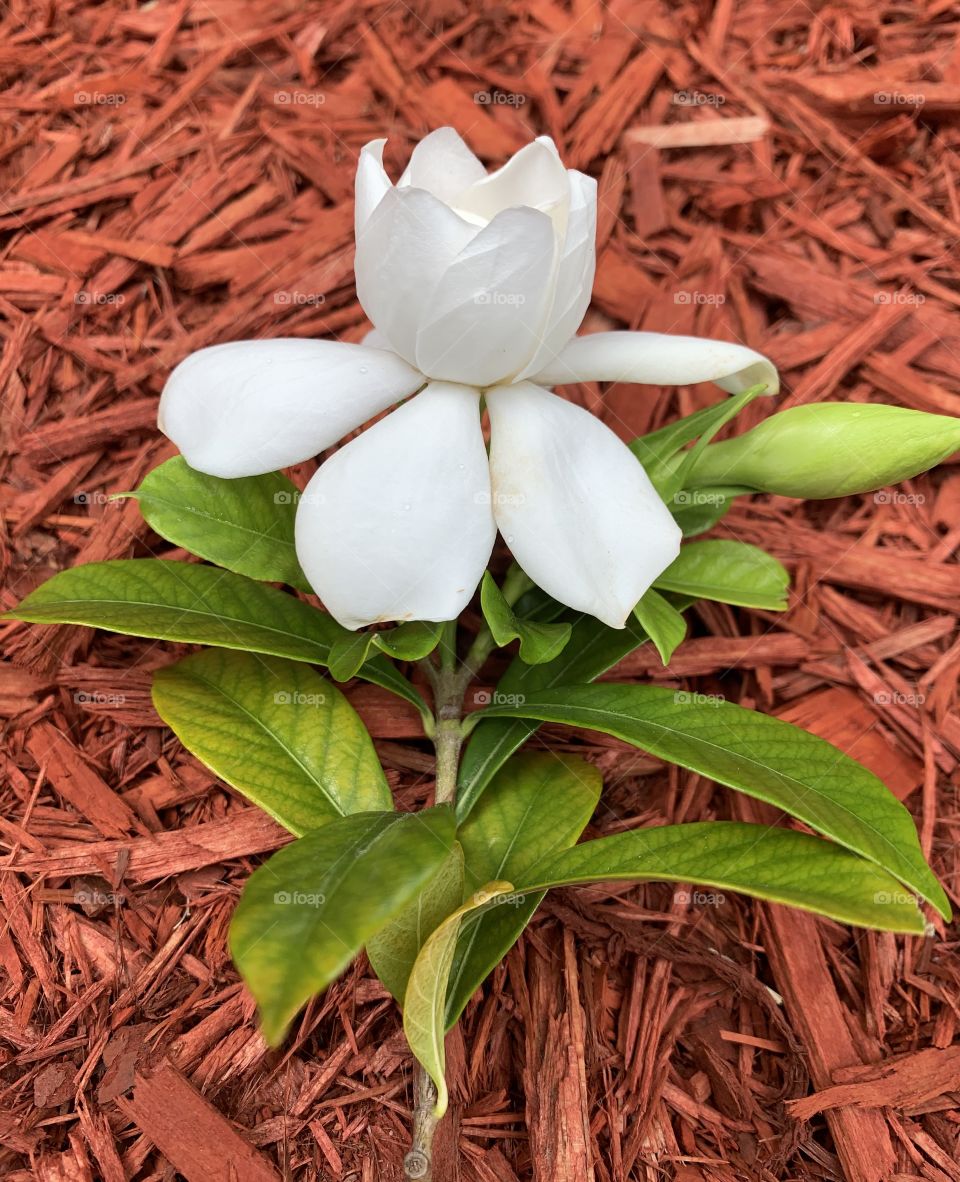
[418,1163]
[449,681]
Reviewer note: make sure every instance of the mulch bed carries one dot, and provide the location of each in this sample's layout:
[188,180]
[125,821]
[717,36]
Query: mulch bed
[179,174]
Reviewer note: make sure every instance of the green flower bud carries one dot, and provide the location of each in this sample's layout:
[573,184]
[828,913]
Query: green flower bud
[830,449]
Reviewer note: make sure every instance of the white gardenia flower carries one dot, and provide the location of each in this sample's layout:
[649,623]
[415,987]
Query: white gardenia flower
[476,284]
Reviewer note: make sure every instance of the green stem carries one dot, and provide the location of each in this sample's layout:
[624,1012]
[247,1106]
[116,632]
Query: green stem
[449,682]
[449,686]
[515,584]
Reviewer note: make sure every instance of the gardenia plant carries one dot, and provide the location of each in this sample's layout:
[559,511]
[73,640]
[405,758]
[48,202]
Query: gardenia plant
[476,284]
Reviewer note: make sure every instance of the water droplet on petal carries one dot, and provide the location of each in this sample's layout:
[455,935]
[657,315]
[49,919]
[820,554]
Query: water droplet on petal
[363,369]
[509,538]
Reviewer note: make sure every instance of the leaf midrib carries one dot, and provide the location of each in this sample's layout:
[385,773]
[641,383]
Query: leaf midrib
[184,611]
[273,734]
[152,498]
[596,710]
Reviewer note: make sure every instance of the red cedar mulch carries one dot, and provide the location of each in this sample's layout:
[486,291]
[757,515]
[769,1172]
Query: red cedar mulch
[181,173]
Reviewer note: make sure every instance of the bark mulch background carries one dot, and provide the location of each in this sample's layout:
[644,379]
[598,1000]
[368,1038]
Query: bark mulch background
[180,173]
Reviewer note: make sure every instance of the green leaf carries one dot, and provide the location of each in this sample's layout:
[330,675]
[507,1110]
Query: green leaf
[538,803]
[423,1004]
[410,642]
[764,757]
[395,947]
[767,863]
[658,451]
[185,602]
[275,730]
[662,622]
[728,572]
[348,653]
[197,604]
[593,649]
[308,911]
[245,525]
[656,447]
[381,672]
[539,642]
[406,642]
[696,510]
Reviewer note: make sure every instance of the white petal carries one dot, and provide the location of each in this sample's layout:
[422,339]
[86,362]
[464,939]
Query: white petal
[397,525]
[533,177]
[255,406]
[372,182]
[573,283]
[409,241]
[486,314]
[442,164]
[574,504]
[374,339]
[660,359]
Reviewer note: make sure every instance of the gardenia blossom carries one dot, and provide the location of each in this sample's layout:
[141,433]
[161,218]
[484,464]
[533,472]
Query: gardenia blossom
[476,284]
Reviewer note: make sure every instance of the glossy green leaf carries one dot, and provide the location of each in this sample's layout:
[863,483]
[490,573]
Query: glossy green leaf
[197,604]
[406,642]
[245,525]
[768,863]
[697,510]
[383,673]
[538,803]
[185,602]
[424,1002]
[307,912]
[729,572]
[539,642]
[277,731]
[764,757]
[659,452]
[393,950]
[348,653]
[662,622]
[593,649]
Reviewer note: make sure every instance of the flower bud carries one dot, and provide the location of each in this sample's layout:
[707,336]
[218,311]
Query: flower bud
[830,449]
